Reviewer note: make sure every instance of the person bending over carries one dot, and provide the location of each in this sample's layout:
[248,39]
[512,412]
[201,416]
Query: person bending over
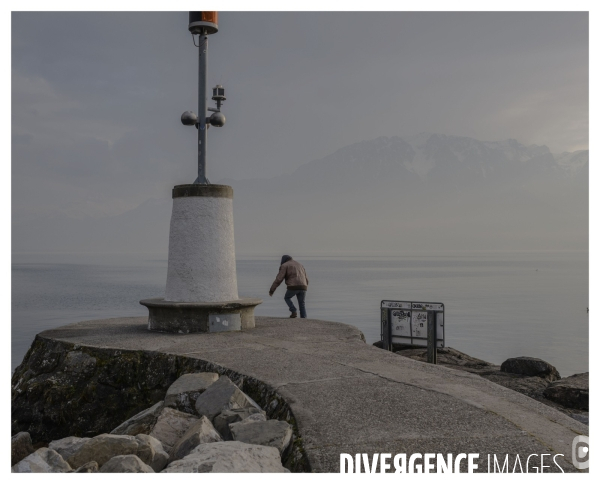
[296,281]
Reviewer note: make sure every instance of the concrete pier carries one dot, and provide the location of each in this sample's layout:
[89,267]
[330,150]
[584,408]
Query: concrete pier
[347,396]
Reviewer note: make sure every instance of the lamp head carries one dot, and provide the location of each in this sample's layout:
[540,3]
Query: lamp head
[217,119]
[203,23]
[189,118]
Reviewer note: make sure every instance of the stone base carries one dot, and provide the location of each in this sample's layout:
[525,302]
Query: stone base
[199,317]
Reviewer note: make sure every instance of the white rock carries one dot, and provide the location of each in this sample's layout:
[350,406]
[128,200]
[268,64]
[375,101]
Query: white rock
[171,425]
[274,433]
[256,417]
[202,432]
[222,395]
[102,448]
[126,463]
[68,446]
[151,452]
[141,423]
[182,394]
[20,447]
[42,460]
[226,417]
[229,457]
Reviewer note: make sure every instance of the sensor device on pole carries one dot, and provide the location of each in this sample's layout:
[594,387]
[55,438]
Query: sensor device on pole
[204,24]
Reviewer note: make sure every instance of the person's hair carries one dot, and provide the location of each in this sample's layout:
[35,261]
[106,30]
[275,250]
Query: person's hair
[285,258]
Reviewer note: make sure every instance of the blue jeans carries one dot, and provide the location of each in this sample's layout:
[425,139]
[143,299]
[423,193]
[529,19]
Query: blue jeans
[300,295]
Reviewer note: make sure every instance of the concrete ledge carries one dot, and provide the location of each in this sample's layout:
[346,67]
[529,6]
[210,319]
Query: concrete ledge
[199,317]
[340,394]
[215,191]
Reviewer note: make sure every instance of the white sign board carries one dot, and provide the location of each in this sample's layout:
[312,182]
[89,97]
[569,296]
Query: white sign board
[407,322]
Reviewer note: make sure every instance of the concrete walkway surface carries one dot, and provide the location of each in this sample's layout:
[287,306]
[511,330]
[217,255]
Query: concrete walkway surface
[350,397]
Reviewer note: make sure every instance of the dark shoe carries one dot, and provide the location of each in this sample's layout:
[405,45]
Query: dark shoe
[294,315]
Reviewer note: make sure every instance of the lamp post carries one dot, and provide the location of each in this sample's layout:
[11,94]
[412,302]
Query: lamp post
[201,294]
[204,24]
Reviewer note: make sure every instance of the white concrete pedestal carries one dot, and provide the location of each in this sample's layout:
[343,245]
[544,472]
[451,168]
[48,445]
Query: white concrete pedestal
[201,293]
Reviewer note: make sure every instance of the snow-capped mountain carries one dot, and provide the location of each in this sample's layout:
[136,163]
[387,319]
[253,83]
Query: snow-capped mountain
[429,191]
[425,192]
[427,155]
[574,162]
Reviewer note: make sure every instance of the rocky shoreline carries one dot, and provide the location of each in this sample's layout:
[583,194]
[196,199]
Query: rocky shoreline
[75,387]
[204,424]
[533,377]
[61,390]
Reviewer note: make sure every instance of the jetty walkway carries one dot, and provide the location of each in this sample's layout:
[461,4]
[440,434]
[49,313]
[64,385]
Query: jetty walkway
[351,397]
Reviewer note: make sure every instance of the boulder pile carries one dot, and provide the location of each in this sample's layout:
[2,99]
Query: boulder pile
[204,424]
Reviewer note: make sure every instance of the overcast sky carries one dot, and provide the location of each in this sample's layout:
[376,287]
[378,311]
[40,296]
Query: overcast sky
[97,97]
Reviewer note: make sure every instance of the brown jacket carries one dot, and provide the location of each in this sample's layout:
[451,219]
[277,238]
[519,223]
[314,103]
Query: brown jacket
[294,274]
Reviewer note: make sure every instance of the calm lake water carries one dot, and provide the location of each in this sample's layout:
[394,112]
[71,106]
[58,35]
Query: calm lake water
[498,305]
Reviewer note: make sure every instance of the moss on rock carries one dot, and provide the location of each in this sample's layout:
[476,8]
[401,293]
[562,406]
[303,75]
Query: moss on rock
[61,389]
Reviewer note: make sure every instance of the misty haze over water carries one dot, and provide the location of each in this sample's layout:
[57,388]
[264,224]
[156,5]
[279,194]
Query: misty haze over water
[498,305]
[498,231]
[388,195]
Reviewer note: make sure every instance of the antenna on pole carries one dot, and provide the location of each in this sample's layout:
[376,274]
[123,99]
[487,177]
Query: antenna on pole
[204,24]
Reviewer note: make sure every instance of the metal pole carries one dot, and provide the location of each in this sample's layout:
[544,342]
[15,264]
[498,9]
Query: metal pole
[202,55]
[386,327]
[431,338]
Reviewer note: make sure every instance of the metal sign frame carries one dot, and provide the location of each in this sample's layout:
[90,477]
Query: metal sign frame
[406,310]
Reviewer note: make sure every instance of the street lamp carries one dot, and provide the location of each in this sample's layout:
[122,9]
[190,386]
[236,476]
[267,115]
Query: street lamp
[204,24]
[201,294]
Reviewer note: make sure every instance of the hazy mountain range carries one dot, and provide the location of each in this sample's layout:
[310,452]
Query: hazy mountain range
[428,192]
